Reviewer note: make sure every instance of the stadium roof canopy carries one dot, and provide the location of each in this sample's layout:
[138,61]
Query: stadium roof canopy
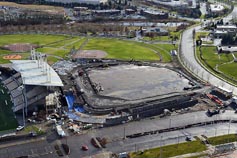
[35,72]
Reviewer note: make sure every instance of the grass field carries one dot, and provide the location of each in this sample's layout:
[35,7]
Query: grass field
[171,150]
[224,62]
[31,38]
[33,128]
[59,46]
[120,49]
[7,118]
[222,139]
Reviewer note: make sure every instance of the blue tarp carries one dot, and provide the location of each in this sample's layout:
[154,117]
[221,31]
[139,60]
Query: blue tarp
[79,109]
[73,116]
[70,101]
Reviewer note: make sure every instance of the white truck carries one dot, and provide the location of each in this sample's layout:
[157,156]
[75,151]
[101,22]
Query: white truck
[60,131]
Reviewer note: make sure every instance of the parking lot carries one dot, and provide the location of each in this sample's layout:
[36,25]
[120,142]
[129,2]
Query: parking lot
[36,149]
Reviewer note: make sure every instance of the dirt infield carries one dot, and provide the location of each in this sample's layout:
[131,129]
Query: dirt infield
[12,57]
[98,54]
[20,47]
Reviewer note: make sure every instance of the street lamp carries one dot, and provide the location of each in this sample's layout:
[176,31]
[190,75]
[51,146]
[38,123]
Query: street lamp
[170,123]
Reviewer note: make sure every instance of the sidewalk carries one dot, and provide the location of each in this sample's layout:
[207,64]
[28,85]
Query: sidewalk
[22,142]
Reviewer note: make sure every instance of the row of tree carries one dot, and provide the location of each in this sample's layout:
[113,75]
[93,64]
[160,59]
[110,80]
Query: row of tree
[81,28]
[109,5]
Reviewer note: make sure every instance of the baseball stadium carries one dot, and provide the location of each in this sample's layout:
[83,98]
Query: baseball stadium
[96,75]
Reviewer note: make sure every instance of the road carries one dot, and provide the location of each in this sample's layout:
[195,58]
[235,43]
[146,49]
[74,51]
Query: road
[187,56]
[115,136]
[117,144]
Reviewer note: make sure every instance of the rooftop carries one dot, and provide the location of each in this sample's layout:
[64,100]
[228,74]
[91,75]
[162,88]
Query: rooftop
[34,72]
[216,7]
[226,27]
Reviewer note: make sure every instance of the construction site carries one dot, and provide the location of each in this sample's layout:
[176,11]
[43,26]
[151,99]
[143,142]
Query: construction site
[126,90]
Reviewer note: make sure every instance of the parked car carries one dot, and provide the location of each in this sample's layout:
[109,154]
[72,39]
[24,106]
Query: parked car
[84,147]
[211,113]
[32,134]
[19,128]
[188,139]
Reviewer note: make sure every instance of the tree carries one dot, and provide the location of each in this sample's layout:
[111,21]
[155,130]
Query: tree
[227,40]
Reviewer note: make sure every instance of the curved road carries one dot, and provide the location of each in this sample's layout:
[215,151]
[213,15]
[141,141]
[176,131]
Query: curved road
[187,56]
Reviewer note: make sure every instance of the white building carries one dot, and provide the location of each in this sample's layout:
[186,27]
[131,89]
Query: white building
[216,8]
[94,2]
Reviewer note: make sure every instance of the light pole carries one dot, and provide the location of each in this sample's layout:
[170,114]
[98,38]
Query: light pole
[170,123]
[22,89]
[124,133]
[161,146]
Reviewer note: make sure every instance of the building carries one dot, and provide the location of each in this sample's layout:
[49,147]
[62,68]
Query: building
[29,86]
[155,14]
[156,30]
[108,12]
[52,103]
[216,8]
[172,3]
[93,2]
[222,30]
[130,11]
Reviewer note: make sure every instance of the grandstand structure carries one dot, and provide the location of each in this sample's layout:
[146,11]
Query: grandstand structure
[29,84]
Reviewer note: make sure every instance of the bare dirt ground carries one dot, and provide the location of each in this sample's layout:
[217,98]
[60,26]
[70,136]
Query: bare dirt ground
[137,82]
[228,155]
[20,47]
[34,7]
[12,57]
[90,54]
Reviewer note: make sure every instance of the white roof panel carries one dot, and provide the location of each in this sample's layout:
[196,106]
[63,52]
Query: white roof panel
[34,72]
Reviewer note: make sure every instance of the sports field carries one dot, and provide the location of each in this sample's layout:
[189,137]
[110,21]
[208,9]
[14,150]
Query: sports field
[120,49]
[59,46]
[7,118]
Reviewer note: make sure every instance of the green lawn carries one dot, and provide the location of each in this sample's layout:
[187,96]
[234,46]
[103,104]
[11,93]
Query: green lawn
[224,61]
[77,44]
[163,49]
[201,34]
[30,38]
[32,128]
[62,43]
[157,38]
[59,45]
[222,139]
[171,150]
[163,38]
[7,118]
[121,49]
[54,51]
[228,69]
[212,58]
